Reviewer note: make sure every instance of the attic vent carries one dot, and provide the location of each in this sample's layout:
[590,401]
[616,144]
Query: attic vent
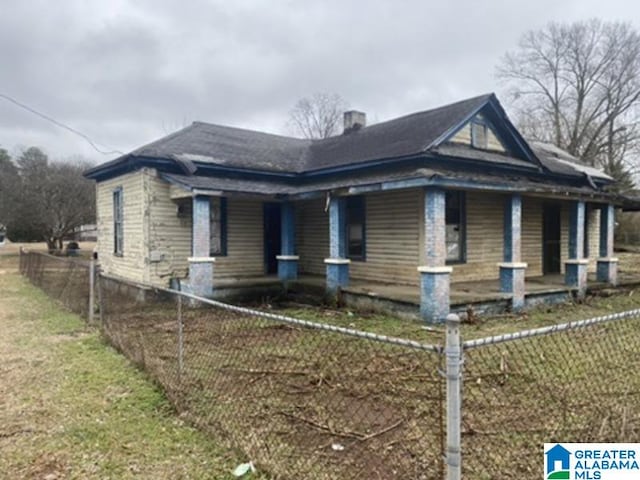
[354,121]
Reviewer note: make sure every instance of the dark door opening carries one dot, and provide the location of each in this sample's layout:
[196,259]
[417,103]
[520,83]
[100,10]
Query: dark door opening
[271,237]
[551,234]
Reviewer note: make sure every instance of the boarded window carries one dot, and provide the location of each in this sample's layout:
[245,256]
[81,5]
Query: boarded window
[479,134]
[455,226]
[218,227]
[118,218]
[356,228]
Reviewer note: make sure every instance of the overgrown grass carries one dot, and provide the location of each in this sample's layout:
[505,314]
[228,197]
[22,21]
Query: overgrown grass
[74,408]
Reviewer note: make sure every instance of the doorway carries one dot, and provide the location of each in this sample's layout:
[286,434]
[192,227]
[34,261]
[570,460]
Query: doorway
[271,237]
[551,238]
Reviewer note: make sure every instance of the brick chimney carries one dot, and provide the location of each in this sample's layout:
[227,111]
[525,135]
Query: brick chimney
[354,121]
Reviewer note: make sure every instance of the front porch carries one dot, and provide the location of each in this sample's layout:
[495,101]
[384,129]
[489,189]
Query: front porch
[483,296]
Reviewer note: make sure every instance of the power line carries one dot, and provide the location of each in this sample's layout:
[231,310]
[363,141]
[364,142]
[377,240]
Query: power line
[59,124]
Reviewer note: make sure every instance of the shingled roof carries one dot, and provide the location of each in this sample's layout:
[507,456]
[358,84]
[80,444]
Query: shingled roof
[418,134]
[248,149]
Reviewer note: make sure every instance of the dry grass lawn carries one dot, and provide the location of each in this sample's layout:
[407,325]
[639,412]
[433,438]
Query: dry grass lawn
[71,407]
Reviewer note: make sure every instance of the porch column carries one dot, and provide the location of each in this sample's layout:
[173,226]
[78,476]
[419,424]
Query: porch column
[576,265]
[201,263]
[337,263]
[512,269]
[607,263]
[435,275]
[287,260]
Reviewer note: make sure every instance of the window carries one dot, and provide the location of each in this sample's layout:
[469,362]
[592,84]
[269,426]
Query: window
[479,134]
[355,228]
[218,226]
[455,226]
[117,221]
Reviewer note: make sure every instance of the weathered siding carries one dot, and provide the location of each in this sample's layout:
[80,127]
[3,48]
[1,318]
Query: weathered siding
[245,240]
[392,238]
[312,236]
[594,238]
[169,235]
[131,263]
[593,235]
[463,136]
[395,232]
[485,237]
[532,235]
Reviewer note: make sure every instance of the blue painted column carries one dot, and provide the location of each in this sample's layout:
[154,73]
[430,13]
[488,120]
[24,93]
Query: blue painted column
[576,265]
[201,263]
[435,275]
[287,260]
[337,263]
[512,270]
[607,270]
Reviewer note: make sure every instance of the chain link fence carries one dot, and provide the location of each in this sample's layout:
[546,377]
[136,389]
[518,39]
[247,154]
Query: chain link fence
[64,279]
[576,382]
[308,400]
[301,400]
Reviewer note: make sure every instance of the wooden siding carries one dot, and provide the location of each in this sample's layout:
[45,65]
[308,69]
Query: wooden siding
[394,235]
[392,238]
[312,236]
[594,238]
[169,235]
[131,264]
[463,136]
[395,232]
[485,237]
[531,240]
[245,240]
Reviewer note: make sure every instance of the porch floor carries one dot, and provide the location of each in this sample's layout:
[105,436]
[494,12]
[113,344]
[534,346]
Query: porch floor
[462,293]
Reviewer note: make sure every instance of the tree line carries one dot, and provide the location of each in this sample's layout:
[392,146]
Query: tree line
[43,200]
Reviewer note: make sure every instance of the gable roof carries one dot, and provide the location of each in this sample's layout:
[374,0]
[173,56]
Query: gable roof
[238,148]
[206,149]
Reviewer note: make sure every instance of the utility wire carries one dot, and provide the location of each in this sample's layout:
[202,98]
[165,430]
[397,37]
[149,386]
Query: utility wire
[59,124]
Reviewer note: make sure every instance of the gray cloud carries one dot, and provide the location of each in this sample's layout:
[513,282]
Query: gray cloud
[127,72]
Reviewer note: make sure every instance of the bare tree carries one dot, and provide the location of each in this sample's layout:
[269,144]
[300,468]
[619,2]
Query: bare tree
[54,199]
[578,86]
[318,116]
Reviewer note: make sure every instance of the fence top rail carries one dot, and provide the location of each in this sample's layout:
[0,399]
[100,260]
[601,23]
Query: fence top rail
[536,332]
[290,320]
[76,261]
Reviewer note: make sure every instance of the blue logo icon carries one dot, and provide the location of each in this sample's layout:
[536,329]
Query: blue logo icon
[558,463]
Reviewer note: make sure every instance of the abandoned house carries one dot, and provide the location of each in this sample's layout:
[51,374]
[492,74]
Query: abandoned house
[433,210]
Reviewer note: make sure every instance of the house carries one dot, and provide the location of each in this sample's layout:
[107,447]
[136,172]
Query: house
[414,207]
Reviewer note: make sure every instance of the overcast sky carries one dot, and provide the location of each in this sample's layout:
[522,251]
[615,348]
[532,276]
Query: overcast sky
[127,72]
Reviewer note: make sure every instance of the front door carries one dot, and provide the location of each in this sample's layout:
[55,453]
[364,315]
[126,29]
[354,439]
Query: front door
[551,244]
[271,237]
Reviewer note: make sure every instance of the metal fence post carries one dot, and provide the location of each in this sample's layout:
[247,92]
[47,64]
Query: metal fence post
[180,339]
[453,354]
[92,288]
[101,304]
